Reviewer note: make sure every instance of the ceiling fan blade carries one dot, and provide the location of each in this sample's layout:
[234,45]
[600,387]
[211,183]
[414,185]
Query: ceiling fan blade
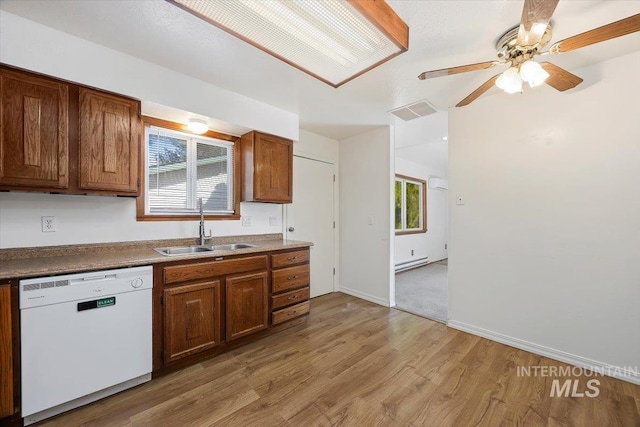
[559,78]
[536,15]
[606,32]
[476,93]
[457,70]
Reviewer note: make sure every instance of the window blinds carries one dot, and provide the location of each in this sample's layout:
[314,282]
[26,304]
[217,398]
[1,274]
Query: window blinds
[181,168]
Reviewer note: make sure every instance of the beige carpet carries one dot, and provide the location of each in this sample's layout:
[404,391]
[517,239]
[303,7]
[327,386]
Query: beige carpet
[423,291]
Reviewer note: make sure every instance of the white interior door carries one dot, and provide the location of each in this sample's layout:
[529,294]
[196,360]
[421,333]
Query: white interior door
[310,218]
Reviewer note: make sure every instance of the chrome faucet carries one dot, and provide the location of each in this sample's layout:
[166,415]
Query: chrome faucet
[203,237]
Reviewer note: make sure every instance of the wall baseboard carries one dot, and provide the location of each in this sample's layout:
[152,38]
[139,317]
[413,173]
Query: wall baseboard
[581,362]
[364,296]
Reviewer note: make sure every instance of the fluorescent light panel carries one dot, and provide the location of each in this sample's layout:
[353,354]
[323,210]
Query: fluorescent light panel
[329,39]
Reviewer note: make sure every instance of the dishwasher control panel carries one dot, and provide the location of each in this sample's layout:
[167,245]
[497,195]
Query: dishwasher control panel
[89,285]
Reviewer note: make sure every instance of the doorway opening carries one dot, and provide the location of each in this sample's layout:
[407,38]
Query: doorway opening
[421,216]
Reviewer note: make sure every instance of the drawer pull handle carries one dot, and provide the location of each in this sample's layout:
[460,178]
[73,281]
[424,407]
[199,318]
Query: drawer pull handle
[292,297]
[292,277]
[293,258]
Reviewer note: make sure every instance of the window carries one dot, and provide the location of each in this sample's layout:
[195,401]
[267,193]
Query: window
[181,168]
[410,205]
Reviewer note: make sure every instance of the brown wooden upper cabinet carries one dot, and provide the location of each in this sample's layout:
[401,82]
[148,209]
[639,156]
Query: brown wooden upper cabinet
[34,149]
[58,136]
[267,163]
[109,142]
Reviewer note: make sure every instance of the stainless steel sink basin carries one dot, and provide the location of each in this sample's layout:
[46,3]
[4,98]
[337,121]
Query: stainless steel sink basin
[232,246]
[187,250]
[183,250]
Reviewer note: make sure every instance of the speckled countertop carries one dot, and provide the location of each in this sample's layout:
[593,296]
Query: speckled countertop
[51,260]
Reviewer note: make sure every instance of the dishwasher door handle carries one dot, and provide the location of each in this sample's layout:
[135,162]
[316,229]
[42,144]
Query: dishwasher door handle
[89,279]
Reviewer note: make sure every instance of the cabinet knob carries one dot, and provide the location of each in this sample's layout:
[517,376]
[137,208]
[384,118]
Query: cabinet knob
[292,277]
[292,258]
[291,229]
[292,297]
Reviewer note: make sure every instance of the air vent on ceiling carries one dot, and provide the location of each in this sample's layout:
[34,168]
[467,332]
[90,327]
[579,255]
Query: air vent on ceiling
[415,110]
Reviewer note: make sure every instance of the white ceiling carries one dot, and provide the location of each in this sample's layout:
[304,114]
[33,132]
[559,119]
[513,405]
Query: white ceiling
[442,34]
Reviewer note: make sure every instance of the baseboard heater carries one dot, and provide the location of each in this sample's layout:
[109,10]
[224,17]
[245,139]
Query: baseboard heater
[412,264]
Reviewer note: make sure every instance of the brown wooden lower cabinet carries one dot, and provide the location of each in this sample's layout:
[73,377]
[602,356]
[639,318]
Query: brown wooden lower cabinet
[247,304]
[6,353]
[289,313]
[192,319]
[204,307]
[290,285]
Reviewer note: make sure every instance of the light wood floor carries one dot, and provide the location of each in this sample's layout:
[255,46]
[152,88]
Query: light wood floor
[359,364]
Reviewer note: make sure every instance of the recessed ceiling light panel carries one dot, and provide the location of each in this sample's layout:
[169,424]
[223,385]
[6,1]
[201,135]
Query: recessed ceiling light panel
[332,40]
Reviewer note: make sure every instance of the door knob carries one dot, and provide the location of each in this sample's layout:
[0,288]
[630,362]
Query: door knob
[292,229]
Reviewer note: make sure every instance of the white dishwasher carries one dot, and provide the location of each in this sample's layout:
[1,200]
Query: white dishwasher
[84,337]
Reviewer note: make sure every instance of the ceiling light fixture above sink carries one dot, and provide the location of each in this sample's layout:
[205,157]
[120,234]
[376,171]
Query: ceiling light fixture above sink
[333,41]
[198,126]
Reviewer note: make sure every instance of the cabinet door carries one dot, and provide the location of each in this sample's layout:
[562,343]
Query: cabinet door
[191,319]
[247,304]
[273,173]
[109,142]
[33,140]
[6,353]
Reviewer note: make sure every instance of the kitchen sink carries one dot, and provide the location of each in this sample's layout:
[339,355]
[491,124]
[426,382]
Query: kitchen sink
[183,250]
[232,246]
[186,250]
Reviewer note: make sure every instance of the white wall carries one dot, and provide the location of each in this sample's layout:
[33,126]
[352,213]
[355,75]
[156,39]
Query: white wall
[97,219]
[366,170]
[430,244]
[545,252]
[35,47]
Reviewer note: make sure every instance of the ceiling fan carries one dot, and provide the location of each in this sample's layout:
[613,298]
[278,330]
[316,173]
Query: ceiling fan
[521,44]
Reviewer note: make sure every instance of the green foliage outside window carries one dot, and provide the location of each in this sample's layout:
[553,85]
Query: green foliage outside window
[398,205]
[412,205]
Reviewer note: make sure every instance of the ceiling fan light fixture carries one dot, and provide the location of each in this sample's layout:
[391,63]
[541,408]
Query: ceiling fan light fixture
[197,126]
[533,73]
[510,81]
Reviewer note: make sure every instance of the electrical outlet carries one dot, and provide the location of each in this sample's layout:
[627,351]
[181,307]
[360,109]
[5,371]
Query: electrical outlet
[273,221]
[48,224]
[370,220]
[246,221]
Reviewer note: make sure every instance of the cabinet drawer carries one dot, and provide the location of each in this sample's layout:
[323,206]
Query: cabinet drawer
[292,312]
[289,298]
[289,258]
[290,278]
[203,270]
